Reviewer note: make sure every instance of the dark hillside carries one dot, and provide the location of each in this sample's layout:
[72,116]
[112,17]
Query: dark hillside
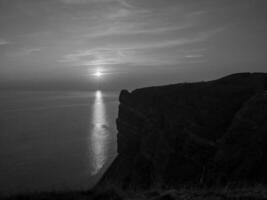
[184,133]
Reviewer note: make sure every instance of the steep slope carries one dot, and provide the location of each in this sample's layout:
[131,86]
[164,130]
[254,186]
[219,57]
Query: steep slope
[171,134]
[242,153]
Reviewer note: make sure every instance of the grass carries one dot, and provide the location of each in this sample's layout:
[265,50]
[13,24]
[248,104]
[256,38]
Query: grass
[256,192]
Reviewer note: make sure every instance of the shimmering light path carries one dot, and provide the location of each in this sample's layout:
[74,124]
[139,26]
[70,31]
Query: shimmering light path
[99,134]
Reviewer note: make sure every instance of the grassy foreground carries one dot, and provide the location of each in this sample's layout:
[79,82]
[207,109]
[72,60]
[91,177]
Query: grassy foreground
[258,192]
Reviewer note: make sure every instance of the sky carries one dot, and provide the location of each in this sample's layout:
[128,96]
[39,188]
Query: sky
[133,43]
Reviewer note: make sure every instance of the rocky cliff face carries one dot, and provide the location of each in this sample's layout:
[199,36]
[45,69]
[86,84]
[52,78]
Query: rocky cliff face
[242,151]
[190,132]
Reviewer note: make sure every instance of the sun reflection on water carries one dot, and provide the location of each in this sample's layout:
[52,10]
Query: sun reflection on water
[99,133]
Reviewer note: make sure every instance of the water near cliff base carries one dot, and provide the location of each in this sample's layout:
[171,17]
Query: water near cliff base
[55,140]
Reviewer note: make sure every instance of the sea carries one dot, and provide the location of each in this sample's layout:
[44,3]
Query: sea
[55,140]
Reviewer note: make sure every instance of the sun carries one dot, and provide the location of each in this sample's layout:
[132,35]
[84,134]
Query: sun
[98,74]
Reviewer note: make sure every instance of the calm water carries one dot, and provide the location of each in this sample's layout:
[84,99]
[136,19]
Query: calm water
[55,140]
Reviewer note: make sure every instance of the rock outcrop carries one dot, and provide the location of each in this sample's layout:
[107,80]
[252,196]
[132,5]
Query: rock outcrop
[192,133]
[242,151]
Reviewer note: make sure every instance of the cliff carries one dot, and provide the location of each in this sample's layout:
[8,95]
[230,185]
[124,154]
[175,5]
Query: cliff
[192,133]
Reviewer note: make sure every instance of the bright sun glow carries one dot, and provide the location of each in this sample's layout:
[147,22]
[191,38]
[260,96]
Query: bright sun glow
[98,74]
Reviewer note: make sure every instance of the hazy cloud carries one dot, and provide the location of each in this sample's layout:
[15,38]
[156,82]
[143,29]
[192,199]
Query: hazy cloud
[3,42]
[194,56]
[32,50]
[95,57]
[76,1]
[122,2]
[167,43]
[24,52]
[134,29]
[132,53]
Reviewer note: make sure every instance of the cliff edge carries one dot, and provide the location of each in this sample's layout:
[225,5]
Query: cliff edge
[192,133]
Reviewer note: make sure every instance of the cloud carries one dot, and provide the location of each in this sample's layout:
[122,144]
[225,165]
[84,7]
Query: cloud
[24,52]
[3,42]
[76,1]
[135,29]
[108,59]
[194,56]
[120,13]
[122,2]
[95,57]
[141,21]
[142,53]
[198,37]
[32,50]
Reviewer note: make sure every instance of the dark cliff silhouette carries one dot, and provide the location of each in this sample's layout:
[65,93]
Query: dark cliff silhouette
[192,133]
